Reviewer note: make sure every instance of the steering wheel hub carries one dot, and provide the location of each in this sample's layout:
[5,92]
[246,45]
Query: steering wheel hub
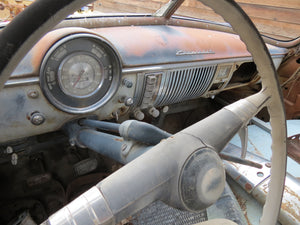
[202,180]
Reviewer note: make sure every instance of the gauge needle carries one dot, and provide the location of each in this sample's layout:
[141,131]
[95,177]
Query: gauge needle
[79,77]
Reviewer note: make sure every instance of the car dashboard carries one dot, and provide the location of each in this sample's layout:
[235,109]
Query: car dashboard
[110,72]
[110,115]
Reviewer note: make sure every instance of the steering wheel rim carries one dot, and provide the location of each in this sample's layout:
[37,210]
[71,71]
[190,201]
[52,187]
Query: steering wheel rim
[14,46]
[248,33]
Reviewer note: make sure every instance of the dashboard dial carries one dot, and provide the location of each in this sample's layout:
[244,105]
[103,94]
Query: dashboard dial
[80,73]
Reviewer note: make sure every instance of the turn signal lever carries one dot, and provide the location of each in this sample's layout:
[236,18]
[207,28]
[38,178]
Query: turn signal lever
[131,129]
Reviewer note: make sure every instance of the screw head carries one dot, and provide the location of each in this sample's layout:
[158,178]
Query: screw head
[37,118]
[33,94]
[128,101]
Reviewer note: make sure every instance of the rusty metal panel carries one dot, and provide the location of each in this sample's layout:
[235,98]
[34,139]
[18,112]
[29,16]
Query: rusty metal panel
[31,63]
[144,45]
[148,45]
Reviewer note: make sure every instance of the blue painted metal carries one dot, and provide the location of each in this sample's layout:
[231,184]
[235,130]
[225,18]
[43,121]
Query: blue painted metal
[259,142]
[105,144]
[101,125]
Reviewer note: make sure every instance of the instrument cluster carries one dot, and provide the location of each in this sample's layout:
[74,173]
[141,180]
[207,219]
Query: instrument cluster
[80,73]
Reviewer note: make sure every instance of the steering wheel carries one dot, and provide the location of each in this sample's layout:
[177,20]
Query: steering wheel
[166,163]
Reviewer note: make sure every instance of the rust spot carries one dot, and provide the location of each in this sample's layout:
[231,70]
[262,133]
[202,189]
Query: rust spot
[256,196]
[247,219]
[291,192]
[126,221]
[288,207]
[164,41]
[248,187]
[255,149]
[123,110]
[118,139]
[40,49]
[242,202]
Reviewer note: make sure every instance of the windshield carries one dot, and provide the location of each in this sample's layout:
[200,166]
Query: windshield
[279,19]
[11,8]
[128,6]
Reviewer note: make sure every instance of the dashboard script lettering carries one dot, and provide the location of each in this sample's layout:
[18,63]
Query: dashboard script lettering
[201,52]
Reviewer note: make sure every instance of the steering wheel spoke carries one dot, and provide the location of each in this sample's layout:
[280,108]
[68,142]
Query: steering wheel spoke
[248,107]
[243,133]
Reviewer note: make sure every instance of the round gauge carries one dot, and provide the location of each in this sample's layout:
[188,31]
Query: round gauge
[80,73]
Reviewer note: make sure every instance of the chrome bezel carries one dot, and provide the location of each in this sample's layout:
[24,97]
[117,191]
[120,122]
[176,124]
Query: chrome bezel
[114,77]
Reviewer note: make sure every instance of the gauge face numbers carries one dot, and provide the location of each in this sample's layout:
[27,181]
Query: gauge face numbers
[80,73]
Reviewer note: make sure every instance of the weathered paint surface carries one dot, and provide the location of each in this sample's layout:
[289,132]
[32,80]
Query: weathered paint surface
[149,45]
[31,63]
[144,45]
[260,144]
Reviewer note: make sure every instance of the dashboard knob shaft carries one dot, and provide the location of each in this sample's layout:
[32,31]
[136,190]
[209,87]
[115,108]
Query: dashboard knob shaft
[153,112]
[128,101]
[138,114]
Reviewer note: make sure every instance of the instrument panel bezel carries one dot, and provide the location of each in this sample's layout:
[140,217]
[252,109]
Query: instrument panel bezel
[85,43]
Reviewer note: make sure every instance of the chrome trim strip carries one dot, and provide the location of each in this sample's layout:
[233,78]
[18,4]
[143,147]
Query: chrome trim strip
[22,81]
[179,65]
[89,208]
[35,80]
[187,64]
[199,52]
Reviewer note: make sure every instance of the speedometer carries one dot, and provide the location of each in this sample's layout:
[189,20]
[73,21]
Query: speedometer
[80,73]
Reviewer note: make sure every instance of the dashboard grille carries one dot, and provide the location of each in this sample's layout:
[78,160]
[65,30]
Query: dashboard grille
[182,84]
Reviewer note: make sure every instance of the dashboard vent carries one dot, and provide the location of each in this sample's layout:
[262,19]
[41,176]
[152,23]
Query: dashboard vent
[183,84]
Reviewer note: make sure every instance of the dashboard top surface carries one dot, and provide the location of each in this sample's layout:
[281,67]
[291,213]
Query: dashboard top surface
[149,45]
